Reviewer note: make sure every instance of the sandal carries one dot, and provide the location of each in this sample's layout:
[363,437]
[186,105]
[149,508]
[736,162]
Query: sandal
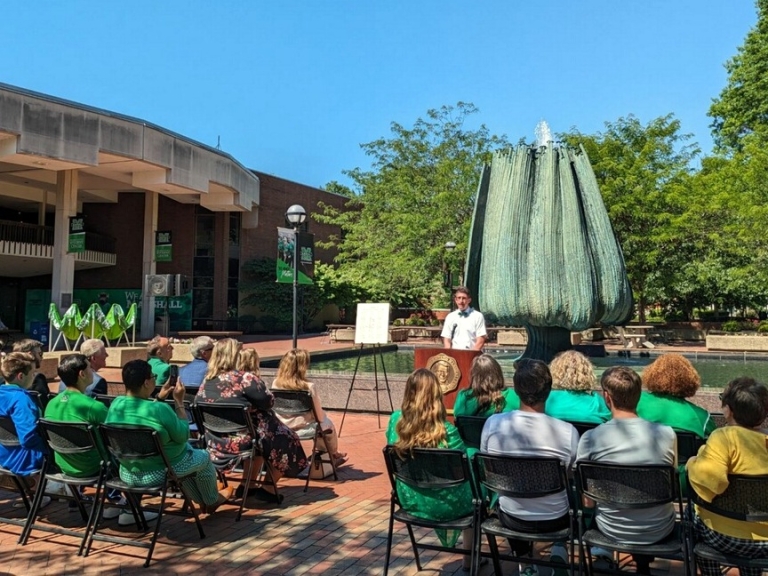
[340,459]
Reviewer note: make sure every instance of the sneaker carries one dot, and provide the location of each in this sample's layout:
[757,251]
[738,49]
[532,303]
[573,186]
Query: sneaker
[559,554]
[46,500]
[115,510]
[127,519]
[57,489]
[530,570]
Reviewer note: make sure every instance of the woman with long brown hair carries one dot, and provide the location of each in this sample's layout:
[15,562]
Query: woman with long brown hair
[422,423]
[226,384]
[292,375]
[487,394]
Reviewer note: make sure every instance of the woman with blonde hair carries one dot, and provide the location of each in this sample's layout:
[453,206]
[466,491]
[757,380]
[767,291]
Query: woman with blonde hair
[572,398]
[224,383]
[292,375]
[487,394]
[248,361]
[422,423]
[668,381]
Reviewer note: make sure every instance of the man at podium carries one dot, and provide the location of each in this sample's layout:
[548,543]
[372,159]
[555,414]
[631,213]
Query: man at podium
[464,328]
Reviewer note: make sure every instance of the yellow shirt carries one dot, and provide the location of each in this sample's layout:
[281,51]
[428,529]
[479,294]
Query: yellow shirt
[729,450]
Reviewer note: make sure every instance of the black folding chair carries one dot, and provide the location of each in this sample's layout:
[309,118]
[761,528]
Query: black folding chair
[470,429]
[631,487]
[66,438]
[582,427]
[105,399]
[745,499]
[688,445]
[430,469]
[126,442]
[522,478]
[294,402]
[225,420]
[9,438]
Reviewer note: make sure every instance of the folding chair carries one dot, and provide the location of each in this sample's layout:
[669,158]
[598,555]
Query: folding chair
[582,427]
[622,487]
[138,443]
[66,438]
[294,402]
[470,429]
[431,469]
[9,438]
[523,477]
[225,420]
[105,399]
[745,499]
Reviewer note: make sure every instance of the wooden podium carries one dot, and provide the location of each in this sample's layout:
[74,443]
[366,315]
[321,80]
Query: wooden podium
[451,368]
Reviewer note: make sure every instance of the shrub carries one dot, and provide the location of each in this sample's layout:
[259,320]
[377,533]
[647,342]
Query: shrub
[763,326]
[731,326]
[397,322]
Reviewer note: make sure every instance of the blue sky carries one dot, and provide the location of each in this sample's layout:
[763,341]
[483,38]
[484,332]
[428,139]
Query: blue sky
[293,88]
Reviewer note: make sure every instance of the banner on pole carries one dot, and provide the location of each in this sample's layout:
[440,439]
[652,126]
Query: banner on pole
[286,239]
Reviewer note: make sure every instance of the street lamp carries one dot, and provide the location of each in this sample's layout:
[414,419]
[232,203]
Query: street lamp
[450,247]
[296,215]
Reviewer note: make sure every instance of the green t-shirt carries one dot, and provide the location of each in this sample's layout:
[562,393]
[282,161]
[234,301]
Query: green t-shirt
[577,406]
[173,431]
[466,403]
[675,412]
[161,370]
[74,406]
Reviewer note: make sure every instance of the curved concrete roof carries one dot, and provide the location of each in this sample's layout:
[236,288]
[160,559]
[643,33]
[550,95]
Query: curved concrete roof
[114,152]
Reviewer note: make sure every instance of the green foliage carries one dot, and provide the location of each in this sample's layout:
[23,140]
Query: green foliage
[742,107]
[417,196]
[731,326]
[762,327]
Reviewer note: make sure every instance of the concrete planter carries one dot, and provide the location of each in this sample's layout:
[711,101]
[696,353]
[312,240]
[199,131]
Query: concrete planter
[398,334]
[738,342]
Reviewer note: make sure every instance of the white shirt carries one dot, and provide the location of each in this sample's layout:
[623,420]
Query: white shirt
[464,328]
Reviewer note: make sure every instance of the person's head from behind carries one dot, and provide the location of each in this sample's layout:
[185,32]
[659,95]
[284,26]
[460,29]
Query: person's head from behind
[533,382]
[422,424]
[673,375]
[462,298]
[75,371]
[96,353]
[18,368]
[160,347]
[486,381]
[138,378]
[745,402]
[223,358]
[248,361]
[571,370]
[30,346]
[622,388]
[201,348]
[292,371]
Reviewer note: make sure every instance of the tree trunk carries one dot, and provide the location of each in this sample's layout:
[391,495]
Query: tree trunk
[641,307]
[546,342]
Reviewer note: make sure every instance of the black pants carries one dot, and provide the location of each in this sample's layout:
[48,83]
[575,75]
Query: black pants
[521,547]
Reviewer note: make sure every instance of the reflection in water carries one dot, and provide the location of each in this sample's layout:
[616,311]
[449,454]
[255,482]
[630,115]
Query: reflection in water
[714,372]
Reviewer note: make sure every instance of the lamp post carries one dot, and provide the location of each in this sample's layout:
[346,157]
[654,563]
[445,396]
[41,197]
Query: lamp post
[450,247]
[296,215]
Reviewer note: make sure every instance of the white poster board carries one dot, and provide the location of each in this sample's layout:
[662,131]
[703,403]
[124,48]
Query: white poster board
[372,325]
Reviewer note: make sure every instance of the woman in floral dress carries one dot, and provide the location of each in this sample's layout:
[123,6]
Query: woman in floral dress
[279,444]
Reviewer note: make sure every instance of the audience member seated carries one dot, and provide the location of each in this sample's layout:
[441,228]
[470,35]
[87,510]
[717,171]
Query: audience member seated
[193,374]
[27,458]
[487,394]
[573,398]
[138,409]
[741,447]
[422,423]
[530,432]
[39,382]
[159,354]
[248,361]
[628,439]
[280,445]
[96,354]
[292,375]
[668,381]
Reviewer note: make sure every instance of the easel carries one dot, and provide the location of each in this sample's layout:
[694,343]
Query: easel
[372,327]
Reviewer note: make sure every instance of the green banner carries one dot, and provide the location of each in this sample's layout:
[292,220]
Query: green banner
[285,252]
[164,253]
[76,242]
[285,274]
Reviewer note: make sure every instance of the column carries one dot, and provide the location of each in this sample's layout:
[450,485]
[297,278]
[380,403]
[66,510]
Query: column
[221,270]
[148,264]
[63,262]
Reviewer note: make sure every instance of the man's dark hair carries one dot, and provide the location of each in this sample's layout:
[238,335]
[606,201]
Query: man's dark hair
[463,290]
[135,373]
[70,367]
[748,401]
[533,381]
[624,386]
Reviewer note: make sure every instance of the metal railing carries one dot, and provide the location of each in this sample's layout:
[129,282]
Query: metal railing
[43,235]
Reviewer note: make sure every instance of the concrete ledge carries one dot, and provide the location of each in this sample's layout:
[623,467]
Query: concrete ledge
[737,342]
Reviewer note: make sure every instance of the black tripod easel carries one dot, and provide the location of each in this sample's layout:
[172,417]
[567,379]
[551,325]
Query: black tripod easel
[376,350]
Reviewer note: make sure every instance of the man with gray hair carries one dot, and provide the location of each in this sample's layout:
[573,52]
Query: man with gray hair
[193,374]
[96,354]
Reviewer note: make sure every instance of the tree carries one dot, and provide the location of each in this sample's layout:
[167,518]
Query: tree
[416,197]
[742,107]
[642,171]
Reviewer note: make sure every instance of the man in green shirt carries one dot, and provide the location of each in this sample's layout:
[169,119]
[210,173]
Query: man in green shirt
[159,354]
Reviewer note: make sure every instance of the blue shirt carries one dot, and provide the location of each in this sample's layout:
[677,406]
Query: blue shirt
[98,386]
[19,406]
[193,373]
